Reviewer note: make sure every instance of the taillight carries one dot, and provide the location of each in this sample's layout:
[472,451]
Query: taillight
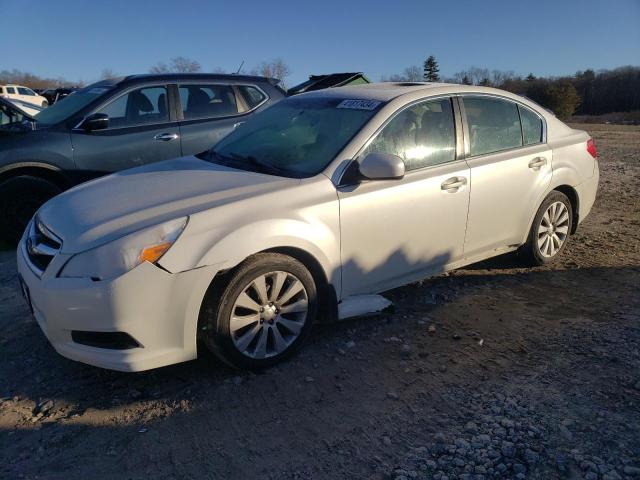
[591,148]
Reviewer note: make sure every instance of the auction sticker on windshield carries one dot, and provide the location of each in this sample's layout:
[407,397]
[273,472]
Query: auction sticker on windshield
[359,104]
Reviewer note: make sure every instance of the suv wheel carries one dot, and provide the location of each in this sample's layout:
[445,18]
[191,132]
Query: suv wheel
[263,314]
[20,197]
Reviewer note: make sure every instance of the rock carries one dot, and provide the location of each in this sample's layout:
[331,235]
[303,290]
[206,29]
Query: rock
[564,431]
[611,475]
[386,440]
[519,468]
[591,476]
[508,449]
[632,471]
[455,336]
[350,344]
[308,379]
[341,351]
[237,380]
[637,385]
[405,350]
[432,329]
[43,407]
[393,396]
[531,457]
[471,428]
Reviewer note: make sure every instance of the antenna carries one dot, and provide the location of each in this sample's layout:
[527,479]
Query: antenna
[240,67]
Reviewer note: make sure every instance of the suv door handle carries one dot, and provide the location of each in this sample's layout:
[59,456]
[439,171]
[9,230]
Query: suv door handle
[453,184]
[537,163]
[166,137]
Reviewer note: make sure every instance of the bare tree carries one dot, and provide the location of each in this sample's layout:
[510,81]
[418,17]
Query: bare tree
[107,73]
[177,65]
[413,74]
[276,68]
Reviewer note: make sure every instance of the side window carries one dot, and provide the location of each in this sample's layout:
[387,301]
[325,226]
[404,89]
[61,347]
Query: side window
[531,126]
[494,124]
[138,107]
[11,90]
[252,96]
[207,101]
[23,91]
[422,135]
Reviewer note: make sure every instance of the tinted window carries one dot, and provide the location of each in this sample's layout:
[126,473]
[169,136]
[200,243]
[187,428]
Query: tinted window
[421,135]
[138,107]
[297,137]
[252,96]
[25,91]
[207,101]
[494,125]
[11,90]
[69,106]
[531,126]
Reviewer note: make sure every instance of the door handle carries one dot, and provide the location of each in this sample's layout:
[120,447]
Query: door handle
[537,163]
[453,184]
[166,137]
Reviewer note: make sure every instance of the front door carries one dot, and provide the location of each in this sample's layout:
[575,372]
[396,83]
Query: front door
[141,131]
[397,231]
[510,171]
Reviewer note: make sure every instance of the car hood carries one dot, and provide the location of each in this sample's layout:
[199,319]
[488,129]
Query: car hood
[110,207]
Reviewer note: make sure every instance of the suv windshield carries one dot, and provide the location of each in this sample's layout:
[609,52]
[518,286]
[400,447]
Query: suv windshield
[71,104]
[297,137]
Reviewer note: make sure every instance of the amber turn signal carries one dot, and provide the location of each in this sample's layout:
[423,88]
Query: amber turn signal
[153,253]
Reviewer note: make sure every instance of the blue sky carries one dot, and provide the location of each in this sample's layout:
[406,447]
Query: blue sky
[77,39]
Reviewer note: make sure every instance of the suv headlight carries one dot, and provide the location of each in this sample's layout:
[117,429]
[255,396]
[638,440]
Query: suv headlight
[118,257]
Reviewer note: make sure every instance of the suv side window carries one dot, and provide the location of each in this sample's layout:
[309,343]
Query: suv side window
[11,90]
[142,106]
[531,126]
[24,91]
[494,124]
[422,135]
[207,101]
[252,96]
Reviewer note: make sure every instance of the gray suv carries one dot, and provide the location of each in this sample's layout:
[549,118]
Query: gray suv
[117,124]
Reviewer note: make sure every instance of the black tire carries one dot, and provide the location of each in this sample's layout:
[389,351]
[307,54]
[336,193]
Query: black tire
[218,304]
[20,197]
[530,252]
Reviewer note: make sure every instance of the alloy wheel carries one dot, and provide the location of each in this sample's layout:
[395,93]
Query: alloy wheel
[269,314]
[553,229]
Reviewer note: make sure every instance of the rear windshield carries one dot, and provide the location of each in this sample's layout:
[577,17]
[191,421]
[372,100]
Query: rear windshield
[297,137]
[71,104]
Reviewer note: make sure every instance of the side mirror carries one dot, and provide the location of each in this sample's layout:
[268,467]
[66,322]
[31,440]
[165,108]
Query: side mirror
[382,166]
[95,121]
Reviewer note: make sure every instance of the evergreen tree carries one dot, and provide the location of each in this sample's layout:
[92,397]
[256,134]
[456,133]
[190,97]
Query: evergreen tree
[466,80]
[431,69]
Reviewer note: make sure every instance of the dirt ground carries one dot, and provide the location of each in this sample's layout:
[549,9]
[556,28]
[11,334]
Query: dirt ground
[493,371]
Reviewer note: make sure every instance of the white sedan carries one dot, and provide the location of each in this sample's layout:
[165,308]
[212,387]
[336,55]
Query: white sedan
[298,214]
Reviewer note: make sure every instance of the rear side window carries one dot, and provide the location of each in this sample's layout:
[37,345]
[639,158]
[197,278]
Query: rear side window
[11,90]
[207,101]
[494,125]
[531,126]
[252,96]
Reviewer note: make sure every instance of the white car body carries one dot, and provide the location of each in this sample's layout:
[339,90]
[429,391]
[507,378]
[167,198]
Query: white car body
[24,94]
[363,239]
[26,107]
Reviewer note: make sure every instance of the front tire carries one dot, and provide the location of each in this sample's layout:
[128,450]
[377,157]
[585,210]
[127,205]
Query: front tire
[20,197]
[550,230]
[263,314]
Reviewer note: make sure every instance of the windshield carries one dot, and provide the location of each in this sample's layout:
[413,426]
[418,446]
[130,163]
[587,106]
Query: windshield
[297,137]
[71,104]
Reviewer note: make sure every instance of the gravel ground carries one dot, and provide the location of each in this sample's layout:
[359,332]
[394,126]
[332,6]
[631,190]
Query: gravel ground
[492,371]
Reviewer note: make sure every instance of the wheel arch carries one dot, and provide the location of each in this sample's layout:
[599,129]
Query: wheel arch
[41,170]
[574,198]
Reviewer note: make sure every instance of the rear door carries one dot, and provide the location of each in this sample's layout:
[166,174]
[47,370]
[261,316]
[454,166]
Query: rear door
[210,110]
[510,171]
[142,129]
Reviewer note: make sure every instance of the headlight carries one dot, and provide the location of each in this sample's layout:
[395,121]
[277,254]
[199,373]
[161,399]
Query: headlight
[118,257]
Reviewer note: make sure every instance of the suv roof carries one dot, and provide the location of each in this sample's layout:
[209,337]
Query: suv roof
[145,77]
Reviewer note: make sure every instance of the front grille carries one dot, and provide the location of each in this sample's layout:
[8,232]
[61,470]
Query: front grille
[41,245]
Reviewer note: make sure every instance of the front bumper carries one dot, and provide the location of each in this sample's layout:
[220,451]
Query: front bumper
[158,309]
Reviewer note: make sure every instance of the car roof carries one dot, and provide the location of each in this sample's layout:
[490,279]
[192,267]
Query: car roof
[387,91]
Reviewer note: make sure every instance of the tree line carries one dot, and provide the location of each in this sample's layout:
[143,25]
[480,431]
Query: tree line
[587,92]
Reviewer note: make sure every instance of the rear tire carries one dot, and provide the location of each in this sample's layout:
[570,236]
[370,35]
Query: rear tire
[255,319]
[20,197]
[549,231]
